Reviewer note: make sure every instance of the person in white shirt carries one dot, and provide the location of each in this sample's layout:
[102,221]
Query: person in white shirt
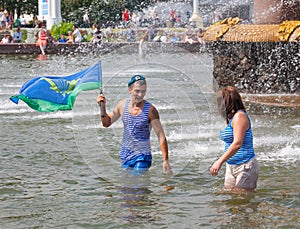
[77,34]
[86,20]
[5,39]
[23,21]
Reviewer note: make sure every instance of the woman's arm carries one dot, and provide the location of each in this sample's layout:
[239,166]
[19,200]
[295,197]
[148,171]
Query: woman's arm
[240,125]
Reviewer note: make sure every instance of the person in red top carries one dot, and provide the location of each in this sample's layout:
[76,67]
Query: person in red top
[126,16]
[172,17]
[42,39]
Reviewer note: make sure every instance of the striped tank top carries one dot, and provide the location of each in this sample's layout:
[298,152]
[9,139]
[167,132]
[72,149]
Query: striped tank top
[246,152]
[136,136]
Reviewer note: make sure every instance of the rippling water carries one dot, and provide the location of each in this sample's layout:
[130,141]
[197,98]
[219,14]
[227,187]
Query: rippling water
[62,169]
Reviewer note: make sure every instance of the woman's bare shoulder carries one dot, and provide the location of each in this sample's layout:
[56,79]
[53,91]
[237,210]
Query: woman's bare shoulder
[240,118]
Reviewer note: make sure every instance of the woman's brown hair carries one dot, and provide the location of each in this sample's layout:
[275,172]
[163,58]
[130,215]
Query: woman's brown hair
[229,102]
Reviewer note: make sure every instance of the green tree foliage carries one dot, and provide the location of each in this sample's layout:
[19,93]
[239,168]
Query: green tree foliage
[61,28]
[73,10]
[99,10]
[22,6]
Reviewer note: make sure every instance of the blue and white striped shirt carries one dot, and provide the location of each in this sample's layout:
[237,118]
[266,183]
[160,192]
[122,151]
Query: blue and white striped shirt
[246,152]
[136,136]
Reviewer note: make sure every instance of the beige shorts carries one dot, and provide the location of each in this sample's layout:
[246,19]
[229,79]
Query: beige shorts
[242,176]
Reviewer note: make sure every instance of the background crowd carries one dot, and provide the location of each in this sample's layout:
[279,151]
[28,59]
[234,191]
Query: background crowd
[130,23]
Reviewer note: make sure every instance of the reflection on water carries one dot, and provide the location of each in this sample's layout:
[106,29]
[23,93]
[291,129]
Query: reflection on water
[135,198]
[253,211]
[41,57]
[63,170]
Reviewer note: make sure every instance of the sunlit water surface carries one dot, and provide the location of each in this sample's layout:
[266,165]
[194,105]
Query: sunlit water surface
[62,169]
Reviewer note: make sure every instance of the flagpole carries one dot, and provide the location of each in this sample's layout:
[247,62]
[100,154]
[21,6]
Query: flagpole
[101,102]
[102,105]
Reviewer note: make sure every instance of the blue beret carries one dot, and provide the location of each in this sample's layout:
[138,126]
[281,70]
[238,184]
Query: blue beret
[135,78]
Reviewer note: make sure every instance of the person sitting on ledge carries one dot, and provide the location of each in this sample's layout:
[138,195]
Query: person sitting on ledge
[17,38]
[5,39]
[70,38]
[188,38]
[175,38]
[97,36]
[152,33]
[42,39]
[130,34]
[50,38]
[62,39]
[200,34]
[77,34]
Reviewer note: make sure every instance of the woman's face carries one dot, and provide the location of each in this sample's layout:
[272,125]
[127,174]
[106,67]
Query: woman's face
[137,92]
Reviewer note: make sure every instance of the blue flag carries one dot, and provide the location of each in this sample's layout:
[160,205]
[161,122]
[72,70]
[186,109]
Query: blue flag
[53,93]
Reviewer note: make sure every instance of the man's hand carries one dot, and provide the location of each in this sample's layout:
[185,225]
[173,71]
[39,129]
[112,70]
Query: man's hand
[167,168]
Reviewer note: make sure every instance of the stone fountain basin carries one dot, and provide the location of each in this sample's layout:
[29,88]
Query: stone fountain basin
[291,100]
[273,103]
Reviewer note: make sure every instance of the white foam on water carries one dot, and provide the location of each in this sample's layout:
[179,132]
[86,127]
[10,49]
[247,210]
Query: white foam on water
[55,115]
[145,70]
[8,107]
[272,140]
[84,127]
[190,152]
[296,127]
[16,111]
[288,154]
[184,135]
[191,148]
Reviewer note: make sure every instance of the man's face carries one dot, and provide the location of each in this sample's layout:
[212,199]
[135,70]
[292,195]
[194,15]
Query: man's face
[138,92]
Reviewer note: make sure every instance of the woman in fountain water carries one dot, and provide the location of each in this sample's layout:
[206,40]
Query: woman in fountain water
[241,164]
[138,116]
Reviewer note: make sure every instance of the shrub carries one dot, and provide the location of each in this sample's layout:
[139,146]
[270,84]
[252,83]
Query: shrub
[87,38]
[24,35]
[61,28]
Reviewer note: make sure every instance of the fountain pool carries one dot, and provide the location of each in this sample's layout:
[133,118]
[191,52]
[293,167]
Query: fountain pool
[62,169]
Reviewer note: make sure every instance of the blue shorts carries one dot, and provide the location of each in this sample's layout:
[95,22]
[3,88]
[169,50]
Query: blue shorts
[140,163]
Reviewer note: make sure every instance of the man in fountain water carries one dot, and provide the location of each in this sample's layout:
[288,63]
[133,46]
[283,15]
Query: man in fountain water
[138,116]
